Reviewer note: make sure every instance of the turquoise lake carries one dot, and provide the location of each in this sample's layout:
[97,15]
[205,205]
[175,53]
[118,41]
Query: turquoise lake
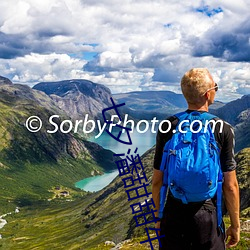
[96,183]
[142,141]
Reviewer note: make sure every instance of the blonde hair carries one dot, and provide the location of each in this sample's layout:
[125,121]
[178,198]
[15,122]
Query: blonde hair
[195,83]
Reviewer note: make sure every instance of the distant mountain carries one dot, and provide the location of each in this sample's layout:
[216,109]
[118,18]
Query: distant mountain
[4,80]
[147,104]
[242,130]
[152,103]
[216,105]
[31,163]
[237,114]
[232,110]
[160,104]
[78,97]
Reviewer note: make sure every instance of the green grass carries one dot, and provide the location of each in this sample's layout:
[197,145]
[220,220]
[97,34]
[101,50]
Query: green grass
[54,225]
[244,243]
[57,225]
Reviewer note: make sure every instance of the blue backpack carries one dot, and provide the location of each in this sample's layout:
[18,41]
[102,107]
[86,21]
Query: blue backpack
[191,162]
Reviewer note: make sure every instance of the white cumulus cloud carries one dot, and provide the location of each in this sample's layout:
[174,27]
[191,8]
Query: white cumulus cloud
[135,45]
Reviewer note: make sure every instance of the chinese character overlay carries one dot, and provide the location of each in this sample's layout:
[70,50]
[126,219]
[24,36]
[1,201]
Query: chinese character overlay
[117,137]
[131,170]
[156,230]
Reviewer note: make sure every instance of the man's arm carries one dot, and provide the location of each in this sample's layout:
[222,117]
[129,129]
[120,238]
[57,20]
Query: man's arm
[231,195]
[156,187]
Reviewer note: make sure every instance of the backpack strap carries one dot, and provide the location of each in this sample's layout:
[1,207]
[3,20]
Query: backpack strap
[164,163]
[164,169]
[164,188]
[182,115]
[219,198]
[208,116]
[163,196]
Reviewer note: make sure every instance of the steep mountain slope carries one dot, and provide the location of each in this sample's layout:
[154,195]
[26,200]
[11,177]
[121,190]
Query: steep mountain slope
[242,130]
[232,110]
[237,114]
[243,174]
[32,163]
[115,208]
[78,97]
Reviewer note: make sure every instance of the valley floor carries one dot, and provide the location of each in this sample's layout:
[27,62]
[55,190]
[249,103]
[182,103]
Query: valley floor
[57,225]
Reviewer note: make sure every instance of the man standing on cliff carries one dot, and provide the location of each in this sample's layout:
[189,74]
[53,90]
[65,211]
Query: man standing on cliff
[194,225]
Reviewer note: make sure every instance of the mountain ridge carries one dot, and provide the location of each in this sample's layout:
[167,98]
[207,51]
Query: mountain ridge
[230,111]
[58,158]
[237,114]
[78,97]
[4,80]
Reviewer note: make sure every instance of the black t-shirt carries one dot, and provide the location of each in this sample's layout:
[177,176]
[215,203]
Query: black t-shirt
[225,141]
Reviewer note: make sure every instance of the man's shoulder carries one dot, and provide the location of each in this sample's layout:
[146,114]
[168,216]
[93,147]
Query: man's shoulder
[165,123]
[225,126]
[171,118]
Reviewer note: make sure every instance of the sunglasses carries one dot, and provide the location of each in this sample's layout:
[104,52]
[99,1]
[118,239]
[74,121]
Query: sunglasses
[216,87]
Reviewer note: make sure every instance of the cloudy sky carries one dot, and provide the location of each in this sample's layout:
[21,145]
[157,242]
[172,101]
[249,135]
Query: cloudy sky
[126,45]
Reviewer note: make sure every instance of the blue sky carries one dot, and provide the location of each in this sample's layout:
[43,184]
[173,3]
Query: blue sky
[126,45]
